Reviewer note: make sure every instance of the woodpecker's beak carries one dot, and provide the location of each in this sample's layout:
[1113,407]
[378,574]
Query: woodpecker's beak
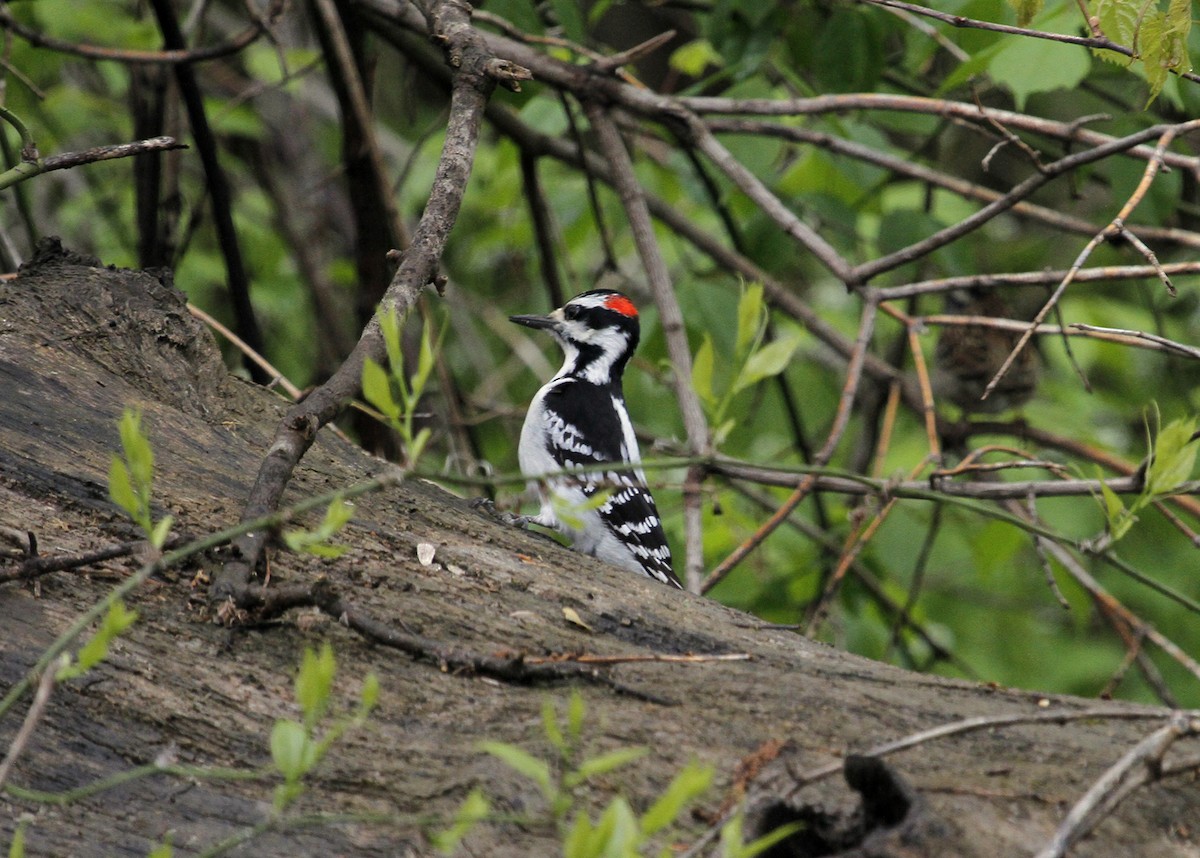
[535,321]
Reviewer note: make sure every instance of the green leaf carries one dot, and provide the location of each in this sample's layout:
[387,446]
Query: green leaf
[751,320]
[691,782]
[762,844]
[605,763]
[1025,9]
[702,372]
[731,836]
[570,17]
[417,446]
[317,541]
[377,389]
[580,841]
[160,532]
[1114,507]
[131,476]
[1153,46]
[116,621]
[368,698]
[768,361]
[292,751]
[695,57]
[622,832]
[474,809]
[1030,66]
[389,324]
[550,726]
[137,449]
[1119,518]
[1118,20]
[425,361]
[523,763]
[162,850]
[16,849]
[1174,457]
[1179,26]
[120,488]
[314,683]
[570,512]
[722,432]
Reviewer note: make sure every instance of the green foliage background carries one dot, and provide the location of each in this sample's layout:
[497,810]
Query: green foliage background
[983,597]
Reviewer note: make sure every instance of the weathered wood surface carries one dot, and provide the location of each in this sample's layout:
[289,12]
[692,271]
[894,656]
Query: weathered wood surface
[78,343]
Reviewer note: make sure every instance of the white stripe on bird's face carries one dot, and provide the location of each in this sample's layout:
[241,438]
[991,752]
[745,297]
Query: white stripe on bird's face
[610,342]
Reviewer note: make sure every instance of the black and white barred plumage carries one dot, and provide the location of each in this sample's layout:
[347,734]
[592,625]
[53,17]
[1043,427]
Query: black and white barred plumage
[578,419]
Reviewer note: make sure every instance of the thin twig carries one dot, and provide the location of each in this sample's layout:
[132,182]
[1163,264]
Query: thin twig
[636,658]
[840,421]
[34,567]
[1040,551]
[1139,765]
[1168,345]
[982,722]
[868,270]
[955,728]
[509,667]
[277,377]
[66,160]
[766,199]
[855,544]
[37,709]
[1033,278]
[938,179]
[1165,136]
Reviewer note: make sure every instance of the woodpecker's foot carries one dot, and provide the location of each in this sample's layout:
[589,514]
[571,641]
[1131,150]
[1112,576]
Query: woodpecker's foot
[488,507]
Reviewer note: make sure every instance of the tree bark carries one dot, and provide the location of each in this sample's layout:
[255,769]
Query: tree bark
[80,342]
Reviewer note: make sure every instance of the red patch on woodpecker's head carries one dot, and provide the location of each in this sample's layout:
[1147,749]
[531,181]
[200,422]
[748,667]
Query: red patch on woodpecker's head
[622,305]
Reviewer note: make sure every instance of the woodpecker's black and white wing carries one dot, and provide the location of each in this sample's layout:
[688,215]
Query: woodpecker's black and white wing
[587,425]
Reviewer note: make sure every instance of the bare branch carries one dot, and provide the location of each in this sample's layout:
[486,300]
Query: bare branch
[844,103]
[659,278]
[1034,278]
[417,268]
[907,167]
[67,160]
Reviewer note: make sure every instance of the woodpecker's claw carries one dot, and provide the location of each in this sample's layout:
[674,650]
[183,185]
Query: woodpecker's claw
[488,507]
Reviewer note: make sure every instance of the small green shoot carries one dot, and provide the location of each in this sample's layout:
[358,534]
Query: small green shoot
[732,845]
[474,809]
[751,363]
[115,622]
[560,780]
[296,749]
[571,514]
[392,393]
[1169,464]
[131,478]
[162,850]
[16,849]
[317,541]
[619,831]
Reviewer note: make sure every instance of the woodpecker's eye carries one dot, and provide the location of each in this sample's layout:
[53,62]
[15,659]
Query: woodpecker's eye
[572,311]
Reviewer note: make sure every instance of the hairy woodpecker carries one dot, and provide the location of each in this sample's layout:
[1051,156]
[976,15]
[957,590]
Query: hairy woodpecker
[579,419]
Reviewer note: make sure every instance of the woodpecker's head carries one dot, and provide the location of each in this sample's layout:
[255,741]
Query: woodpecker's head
[597,330]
